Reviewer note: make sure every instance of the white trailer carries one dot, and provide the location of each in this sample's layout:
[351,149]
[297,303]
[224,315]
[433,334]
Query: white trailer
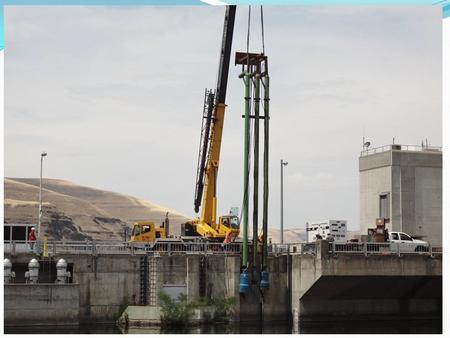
[337,229]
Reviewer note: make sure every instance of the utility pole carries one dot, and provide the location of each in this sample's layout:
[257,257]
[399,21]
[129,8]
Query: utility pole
[281,204]
[43,154]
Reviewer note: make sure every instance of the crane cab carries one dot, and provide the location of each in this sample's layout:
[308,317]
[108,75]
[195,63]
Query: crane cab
[147,232]
[230,222]
[229,226]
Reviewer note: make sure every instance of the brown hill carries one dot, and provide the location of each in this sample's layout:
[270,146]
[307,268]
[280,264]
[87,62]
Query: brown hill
[71,211]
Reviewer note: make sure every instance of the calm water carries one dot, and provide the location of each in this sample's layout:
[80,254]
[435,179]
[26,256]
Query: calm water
[392,326]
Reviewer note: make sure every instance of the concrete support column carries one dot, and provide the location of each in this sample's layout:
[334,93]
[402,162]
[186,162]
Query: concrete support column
[192,277]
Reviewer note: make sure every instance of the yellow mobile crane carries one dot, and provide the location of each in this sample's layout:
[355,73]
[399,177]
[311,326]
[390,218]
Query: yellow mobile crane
[207,226]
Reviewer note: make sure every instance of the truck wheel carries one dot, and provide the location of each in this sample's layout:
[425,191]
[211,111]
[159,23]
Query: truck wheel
[420,249]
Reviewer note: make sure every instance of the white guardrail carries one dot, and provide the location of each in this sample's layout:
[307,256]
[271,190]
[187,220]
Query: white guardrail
[372,248]
[78,247]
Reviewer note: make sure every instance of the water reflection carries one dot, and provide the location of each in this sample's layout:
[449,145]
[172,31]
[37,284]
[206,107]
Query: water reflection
[231,328]
[368,326]
[373,326]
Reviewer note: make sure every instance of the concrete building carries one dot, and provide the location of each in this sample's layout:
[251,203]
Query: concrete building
[403,184]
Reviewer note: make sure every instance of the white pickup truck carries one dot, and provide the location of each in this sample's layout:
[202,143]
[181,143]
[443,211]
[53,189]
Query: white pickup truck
[406,242]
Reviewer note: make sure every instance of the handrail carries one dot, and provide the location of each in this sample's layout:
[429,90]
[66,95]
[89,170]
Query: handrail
[403,147]
[384,248]
[235,248]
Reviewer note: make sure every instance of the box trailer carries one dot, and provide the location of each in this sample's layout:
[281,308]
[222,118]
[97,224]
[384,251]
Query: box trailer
[337,229]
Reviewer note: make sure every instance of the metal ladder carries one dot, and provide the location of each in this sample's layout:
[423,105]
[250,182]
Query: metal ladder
[144,279]
[202,276]
[153,264]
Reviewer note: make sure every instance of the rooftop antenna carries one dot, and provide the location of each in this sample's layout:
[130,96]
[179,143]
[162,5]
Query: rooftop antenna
[364,136]
[393,140]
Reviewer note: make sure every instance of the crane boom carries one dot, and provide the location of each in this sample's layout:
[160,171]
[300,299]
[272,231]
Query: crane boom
[225,52]
[213,122]
[210,140]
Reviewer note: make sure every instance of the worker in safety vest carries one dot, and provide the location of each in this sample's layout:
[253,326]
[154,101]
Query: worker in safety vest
[228,237]
[32,239]
[261,237]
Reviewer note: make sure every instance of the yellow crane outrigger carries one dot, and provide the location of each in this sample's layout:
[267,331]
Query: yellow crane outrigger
[207,226]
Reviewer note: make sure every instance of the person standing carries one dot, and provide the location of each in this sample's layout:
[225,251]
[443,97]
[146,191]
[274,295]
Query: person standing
[32,239]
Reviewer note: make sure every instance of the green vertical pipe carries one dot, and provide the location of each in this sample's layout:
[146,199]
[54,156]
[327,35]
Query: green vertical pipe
[256,99]
[246,167]
[266,169]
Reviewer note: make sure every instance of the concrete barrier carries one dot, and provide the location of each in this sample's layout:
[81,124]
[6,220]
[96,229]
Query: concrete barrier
[41,304]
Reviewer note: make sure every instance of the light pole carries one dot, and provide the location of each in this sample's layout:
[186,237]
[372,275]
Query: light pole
[282,164]
[43,154]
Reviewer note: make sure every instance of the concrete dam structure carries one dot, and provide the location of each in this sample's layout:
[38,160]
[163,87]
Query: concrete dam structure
[306,282]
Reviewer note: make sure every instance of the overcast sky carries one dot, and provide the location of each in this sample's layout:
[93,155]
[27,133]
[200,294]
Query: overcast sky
[115,94]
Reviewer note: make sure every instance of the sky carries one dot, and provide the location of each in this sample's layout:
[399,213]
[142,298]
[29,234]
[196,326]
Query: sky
[115,95]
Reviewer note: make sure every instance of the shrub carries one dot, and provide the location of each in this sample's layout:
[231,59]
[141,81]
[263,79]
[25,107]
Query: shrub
[224,308]
[175,312]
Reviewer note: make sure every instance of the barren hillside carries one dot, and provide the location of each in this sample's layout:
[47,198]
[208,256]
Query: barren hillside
[71,211]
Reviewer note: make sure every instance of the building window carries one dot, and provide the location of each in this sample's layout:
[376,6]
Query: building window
[384,206]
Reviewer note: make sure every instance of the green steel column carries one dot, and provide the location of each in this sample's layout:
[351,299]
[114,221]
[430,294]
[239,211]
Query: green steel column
[246,76]
[266,169]
[256,99]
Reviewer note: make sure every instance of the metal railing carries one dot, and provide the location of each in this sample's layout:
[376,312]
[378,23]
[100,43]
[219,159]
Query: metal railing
[371,248]
[371,151]
[54,248]
[94,248]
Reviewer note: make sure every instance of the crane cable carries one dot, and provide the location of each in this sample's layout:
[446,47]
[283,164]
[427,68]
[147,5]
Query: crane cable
[262,29]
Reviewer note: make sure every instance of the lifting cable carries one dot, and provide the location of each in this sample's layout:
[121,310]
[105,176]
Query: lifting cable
[248,34]
[262,29]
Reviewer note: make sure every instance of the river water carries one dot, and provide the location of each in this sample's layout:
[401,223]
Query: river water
[372,326]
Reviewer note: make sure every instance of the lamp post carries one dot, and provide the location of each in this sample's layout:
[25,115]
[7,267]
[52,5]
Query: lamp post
[282,164]
[43,154]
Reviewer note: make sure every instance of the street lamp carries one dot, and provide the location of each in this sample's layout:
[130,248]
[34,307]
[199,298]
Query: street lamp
[43,154]
[281,215]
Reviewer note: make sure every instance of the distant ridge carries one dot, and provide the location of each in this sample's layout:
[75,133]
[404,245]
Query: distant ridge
[75,212]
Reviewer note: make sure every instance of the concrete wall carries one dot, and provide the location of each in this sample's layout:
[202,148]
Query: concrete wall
[221,275]
[41,304]
[414,181]
[274,303]
[105,284]
[428,204]
[373,183]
